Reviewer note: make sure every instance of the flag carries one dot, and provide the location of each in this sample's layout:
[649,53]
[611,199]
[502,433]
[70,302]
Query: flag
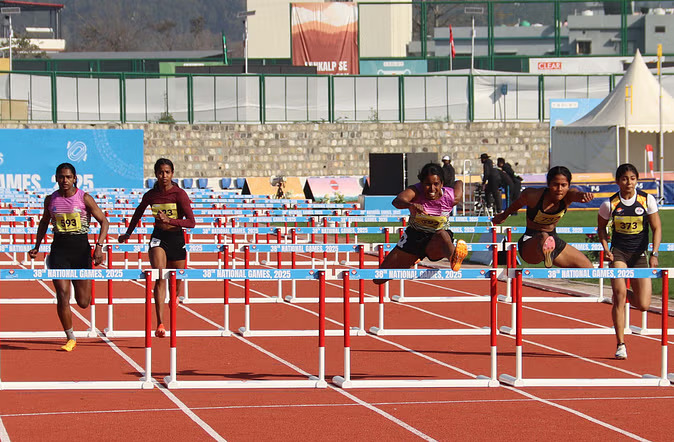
[452,50]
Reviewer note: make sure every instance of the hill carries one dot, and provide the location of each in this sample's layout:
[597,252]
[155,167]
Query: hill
[149,25]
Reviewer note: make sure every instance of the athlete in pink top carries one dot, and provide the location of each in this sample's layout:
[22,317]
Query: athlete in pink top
[428,234]
[69,209]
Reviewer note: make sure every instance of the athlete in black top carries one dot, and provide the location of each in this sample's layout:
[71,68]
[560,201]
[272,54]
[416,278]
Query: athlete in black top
[545,207]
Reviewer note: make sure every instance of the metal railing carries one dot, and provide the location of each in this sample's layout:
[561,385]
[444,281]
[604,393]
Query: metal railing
[218,98]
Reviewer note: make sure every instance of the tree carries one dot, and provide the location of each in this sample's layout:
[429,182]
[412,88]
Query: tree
[23,48]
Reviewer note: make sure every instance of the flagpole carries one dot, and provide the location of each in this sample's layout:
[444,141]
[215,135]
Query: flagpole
[662,137]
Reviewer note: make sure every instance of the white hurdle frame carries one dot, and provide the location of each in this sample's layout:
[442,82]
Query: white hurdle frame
[647,380]
[346,382]
[172,381]
[145,382]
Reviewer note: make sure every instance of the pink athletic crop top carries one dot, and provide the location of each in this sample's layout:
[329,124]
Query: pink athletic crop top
[438,210]
[69,216]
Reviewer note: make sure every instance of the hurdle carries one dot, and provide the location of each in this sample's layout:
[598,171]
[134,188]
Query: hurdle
[647,380]
[172,381]
[346,381]
[432,274]
[145,382]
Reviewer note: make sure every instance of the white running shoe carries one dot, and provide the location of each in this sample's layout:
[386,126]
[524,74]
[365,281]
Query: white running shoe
[621,352]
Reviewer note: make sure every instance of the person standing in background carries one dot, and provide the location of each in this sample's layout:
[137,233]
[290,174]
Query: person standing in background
[516,179]
[491,181]
[448,170]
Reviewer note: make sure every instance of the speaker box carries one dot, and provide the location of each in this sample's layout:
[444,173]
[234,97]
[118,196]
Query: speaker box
[391,173]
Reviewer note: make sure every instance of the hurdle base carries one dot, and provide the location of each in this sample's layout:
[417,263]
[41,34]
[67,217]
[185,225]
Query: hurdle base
[644,331]
[430,332]
[561,331]
[645,381]
[72,385]
[146,384]
[670,376]
[108,333]
[306,300]
[296,333]
[171,383]
[480,381]
[91,333]
[225,333]
[320,383]
[240,384]
[402,299]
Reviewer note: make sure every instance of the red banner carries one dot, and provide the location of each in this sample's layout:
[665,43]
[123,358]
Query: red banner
[325,35]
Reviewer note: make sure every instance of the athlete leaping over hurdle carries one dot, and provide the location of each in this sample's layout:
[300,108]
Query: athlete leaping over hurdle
[428,234]
[70,210]
[545,207]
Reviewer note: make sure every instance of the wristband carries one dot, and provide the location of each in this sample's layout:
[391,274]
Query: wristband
[654,254]
[99,244]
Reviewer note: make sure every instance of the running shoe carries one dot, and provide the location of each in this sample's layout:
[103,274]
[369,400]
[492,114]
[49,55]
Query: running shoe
[460,252]
[621,352]
[160,332]
[70,345]
[548,248]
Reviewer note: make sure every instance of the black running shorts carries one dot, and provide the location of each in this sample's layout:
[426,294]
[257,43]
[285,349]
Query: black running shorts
[172,241]
[415,241]
[70,252]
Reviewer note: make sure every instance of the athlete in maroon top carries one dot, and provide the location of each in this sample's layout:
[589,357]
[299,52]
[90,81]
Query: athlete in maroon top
[172,211]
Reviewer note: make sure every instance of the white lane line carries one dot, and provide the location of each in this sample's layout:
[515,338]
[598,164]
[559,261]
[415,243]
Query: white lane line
[184,408]
[579,414]
[333,405]
[359,401]
[4,436]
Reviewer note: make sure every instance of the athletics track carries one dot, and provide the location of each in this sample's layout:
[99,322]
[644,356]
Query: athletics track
[412,412]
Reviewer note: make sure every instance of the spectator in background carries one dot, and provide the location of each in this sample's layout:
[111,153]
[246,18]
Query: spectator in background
[448,170]
[491,181]
[516,187]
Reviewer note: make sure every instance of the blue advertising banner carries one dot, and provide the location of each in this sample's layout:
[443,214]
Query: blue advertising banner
[103,158]
[564,111]
[393,67]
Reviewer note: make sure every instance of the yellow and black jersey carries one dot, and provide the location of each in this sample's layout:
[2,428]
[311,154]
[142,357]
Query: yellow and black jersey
[537,215]
[630,223]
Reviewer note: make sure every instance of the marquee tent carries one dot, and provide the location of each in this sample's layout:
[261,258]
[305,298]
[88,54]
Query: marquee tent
[596,142]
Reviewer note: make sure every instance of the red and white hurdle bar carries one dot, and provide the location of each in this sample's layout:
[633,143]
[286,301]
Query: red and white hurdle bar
[145,382]
[647,380]
[256,274]
[346,381]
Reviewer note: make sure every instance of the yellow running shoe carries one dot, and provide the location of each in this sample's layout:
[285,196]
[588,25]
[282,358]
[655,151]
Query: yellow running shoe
[70,345]
[460,252]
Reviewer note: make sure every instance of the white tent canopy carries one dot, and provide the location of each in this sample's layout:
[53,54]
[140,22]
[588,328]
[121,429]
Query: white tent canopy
[596,142]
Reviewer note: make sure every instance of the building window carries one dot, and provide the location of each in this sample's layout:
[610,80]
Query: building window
[584,47]
[660,29]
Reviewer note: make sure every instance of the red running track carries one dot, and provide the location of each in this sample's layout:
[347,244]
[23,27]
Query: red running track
[501,413]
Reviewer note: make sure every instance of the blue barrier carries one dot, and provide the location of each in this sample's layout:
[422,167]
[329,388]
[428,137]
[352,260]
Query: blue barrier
[225,183]
[239,183]
[202,183]
[250,274]
[187,183]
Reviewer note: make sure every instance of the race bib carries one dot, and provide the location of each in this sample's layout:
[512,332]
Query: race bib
[628,225]
[546,219]
[430,222]
[67,222]
[171,210]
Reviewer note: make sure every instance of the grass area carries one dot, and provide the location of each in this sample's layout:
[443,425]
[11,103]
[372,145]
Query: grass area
[573,218]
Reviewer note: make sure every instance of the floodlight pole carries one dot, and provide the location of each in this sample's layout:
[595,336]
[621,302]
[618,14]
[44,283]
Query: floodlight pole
[245,15]
[8,12]
[472,10]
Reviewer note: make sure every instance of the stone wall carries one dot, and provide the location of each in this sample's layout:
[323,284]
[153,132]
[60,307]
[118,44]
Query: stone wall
[323,149]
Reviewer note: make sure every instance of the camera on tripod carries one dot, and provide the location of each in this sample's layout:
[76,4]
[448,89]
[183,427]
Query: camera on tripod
[480,204]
